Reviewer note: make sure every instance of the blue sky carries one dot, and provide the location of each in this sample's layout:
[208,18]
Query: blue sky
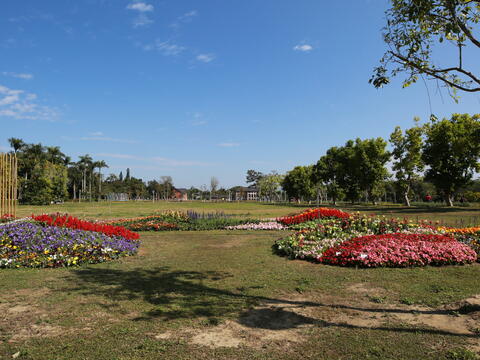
[194,89]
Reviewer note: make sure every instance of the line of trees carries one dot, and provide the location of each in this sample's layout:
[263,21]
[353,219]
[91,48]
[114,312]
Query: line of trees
[441,156]
[47,175]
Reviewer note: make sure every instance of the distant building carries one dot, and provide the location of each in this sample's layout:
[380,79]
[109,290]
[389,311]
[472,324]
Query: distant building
[118,197]
[180,194]
[242,193]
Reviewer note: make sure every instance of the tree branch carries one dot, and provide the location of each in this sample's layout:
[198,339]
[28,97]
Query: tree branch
[435,73]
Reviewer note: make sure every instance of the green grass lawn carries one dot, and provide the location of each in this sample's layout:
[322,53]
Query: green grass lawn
[456,216]
[226,295]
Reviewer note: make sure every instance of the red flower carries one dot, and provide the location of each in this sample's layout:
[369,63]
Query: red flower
[74,223]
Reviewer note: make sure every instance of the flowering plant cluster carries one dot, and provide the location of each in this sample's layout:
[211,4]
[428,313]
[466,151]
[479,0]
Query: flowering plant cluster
[399,250]
[74,223]
[6,218]
[469,236]
[311,214]
[177,220]
[27,244]
[270,225]
[313,238]
[148,223]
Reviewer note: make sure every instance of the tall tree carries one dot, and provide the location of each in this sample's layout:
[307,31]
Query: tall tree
[253,177]
[407,156]
[167,185]
[16,144]
[419,32]
[370,161]
[213,186]
[269,186]
[330,170]
[298,183]
[452,152]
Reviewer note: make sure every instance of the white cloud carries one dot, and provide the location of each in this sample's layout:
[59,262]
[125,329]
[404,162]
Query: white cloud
[166,48]
[228,144]
[198,119]
[96,133]
[142,20]
[303,47]
[107,139]
[19,104]
[199,122]
[185,18]
[140,6]
[178,163]
[158,161]
[118,156]
[23,76]
[206,58]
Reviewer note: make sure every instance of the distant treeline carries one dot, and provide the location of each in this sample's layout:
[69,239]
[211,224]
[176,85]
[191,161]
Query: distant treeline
[434,162]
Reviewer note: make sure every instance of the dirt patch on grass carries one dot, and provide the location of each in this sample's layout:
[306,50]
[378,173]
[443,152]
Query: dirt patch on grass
[289,320]
[21,317]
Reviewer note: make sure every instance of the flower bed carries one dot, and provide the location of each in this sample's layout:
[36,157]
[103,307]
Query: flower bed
[314,237]
[469,236]
[27,244]
[311,214]
[176,220]
[399,250]
[6,218]
[74,223]
[270,225]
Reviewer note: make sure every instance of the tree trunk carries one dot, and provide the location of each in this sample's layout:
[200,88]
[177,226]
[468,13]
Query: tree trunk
[407,200]
[449,200]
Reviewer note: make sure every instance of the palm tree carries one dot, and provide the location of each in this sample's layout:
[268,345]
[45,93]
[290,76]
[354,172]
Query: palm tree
[100,165]
[85,164]
[16,144]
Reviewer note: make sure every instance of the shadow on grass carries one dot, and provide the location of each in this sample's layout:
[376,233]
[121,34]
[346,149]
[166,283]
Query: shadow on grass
[192,294]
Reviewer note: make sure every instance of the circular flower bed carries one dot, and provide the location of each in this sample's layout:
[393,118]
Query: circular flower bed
[26,244]
[399,250]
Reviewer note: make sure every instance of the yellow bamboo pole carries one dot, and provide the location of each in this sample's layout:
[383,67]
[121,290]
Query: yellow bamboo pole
[8,184]
[2,181]
[2,185]
[15,185]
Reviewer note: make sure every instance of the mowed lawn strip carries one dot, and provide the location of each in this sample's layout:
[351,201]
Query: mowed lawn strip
[185,285]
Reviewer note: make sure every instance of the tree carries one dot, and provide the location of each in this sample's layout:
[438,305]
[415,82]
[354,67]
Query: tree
[329,170]
[167,186]
[127,175]
[417,30]
[298,183]
[100,165]
[48,183]
[269,185]
[213,186]
[370,158]
[407,155]
[16,144]
[253,177]
[452,152]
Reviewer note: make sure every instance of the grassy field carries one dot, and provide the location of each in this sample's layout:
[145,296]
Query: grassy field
[456,216]
[226,295]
